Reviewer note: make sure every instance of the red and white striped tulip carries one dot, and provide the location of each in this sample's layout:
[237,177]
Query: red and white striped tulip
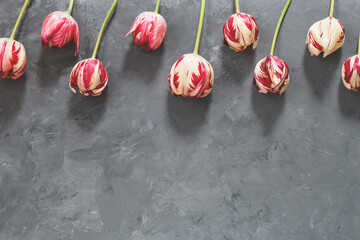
[271,74]
[13,61]
[58,29]
[240,31]
[351,73]
[191,76]
[327,36]
[148,31]
[89,76]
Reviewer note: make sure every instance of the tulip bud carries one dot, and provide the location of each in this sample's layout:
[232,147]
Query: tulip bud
[351,73]
[240,31]
[327,36]
[271,74]
[89,76]
[13,61]
[58,29]
[191,76]
[148,31]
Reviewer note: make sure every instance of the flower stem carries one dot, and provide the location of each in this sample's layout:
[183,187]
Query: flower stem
[201,21]
[332,8]
[237,6]
[278,27]
[19,19]
[359,46]
[157,6]
[71,5]
[103,28]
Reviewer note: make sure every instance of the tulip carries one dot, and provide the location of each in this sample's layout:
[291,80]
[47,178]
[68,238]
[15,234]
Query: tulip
[351,72]
[241,30]
[327,35]
[12,58]
[90,75]
[148,30]
[13,61]
[191,76]
[58,29]
[271,74]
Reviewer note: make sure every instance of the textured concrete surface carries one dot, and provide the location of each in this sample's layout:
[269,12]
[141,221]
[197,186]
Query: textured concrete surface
[137,164]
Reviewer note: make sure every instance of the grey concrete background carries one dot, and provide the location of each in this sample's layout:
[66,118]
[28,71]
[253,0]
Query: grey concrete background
[138,164]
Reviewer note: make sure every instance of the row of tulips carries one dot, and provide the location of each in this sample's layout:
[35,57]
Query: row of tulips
[191,75]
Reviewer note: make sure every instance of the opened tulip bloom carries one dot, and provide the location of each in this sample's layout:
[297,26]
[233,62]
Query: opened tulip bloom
[13,61]
[191,76]
[58,29]
[12,58]
[240,31]
[327,35]
[271,74]
[89,76]
[148,31]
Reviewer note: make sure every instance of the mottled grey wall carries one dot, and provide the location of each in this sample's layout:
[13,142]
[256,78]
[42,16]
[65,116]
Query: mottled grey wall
[137,164]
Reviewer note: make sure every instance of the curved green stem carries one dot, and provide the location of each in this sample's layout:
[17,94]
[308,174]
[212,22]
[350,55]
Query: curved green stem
[201,21]
[278,27]
[359,46]
[332,8]
[71,5]
[19,19]
[237,6]
[157,6]
[103,28]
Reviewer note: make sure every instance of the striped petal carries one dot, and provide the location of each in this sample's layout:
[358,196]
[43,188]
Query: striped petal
[351,73]
[13,61]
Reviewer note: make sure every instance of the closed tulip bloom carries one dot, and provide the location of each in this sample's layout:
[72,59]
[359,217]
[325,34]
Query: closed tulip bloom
[148,31]
[240,31]
[271,74]
[327,36]
[12,58]
[89,76]
[351,73]
[191,76]
[58,29]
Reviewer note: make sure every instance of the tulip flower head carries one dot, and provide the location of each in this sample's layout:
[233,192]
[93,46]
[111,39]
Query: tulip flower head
[148,31]
[12,58]
[351,72]
[327,35]
[271,74]
[58,29]
[90,75]
[13,61]
[191,76]
[240,31]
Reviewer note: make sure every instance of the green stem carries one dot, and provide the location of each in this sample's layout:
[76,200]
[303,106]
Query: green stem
[19,19]
[103,28]
[237,6]
[157,6]
[359,46]
[201,21]
[278,27]
[71,5]
[332,8]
